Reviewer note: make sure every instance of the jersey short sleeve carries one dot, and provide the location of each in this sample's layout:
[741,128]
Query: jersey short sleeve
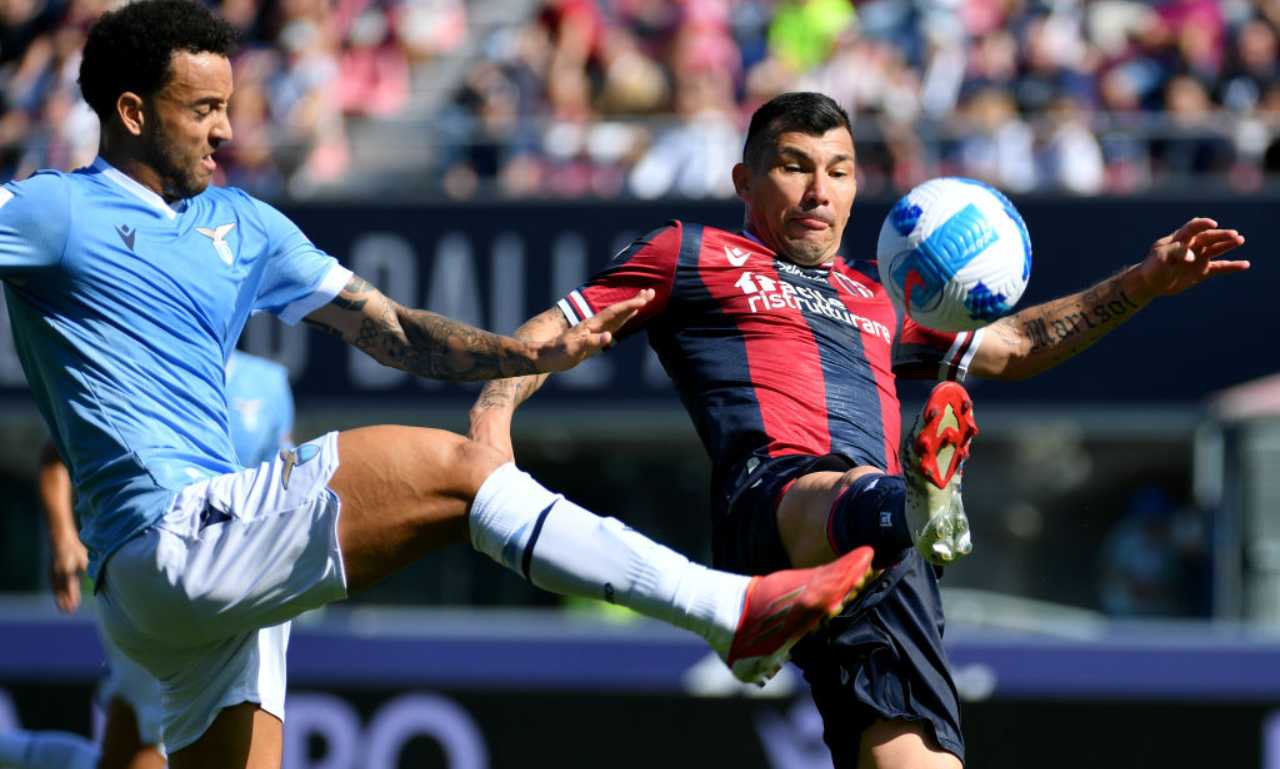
[35,217]
[299,277]
[649,262]
[923,353]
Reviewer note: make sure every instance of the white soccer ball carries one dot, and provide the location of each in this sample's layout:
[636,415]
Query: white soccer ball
[955,254]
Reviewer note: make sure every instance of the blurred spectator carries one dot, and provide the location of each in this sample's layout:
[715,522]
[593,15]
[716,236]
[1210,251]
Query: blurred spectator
[1068,157]
[373,68]
[1254,67]
[1194,144]
[1153,562]
[995,144]
[803,31]
[248,161]
[303,99]
[692,157]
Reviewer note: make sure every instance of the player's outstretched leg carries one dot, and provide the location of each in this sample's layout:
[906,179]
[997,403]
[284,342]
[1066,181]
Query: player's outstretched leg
[933,457]
[783,607]
[752,623]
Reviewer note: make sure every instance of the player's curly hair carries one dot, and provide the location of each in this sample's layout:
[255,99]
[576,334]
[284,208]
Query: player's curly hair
[802,111]
[130,49]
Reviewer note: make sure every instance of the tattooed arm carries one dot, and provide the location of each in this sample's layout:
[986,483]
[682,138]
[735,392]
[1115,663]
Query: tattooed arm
[436,347]
[493,410]
[1041,337]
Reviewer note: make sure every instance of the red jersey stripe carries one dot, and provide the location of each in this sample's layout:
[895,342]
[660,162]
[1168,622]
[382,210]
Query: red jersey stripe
[776,360]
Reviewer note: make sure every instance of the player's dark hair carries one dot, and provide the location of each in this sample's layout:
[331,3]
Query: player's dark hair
[130,49]
[801,111]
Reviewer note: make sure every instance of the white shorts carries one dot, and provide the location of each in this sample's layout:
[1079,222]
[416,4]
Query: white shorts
[202,599]
[129,683]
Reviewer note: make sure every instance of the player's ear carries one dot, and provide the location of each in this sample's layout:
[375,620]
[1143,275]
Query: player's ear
[129,110]
[742,180]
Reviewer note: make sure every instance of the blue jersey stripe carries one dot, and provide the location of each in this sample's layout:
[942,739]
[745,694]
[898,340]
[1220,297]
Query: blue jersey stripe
[705,339]
[849,389]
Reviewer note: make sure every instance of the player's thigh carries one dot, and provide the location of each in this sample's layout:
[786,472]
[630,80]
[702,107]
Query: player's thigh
[803,512]
[122,744]
[901,745]
[404,491]
[242,736]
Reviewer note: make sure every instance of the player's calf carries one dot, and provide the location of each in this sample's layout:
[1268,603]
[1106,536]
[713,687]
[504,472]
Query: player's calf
[933,457]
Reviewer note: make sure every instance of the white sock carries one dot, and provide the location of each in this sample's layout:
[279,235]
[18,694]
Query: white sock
[568,550]
[47,750]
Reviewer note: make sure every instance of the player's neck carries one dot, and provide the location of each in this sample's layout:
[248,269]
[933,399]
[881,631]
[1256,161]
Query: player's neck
[750,234]
[134,168]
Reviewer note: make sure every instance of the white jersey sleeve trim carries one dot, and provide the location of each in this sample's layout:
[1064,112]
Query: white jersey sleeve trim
[568,312]
[967,358]
[584,309]
[332,284]
[955,364]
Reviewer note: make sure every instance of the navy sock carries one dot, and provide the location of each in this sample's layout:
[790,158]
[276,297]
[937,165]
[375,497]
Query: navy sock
[871,512]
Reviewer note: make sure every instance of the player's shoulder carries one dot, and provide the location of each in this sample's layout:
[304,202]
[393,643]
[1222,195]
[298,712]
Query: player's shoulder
[232,197]
[42,184]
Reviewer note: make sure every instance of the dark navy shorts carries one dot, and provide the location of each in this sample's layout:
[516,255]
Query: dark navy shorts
[883,656]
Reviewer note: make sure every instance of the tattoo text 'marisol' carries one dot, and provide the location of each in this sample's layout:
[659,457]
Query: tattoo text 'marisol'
[1100,307]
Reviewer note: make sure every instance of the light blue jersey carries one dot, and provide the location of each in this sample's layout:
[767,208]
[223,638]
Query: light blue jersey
[261,407]
[124,311]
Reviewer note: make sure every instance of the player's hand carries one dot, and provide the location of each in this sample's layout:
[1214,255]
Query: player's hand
[69,562]
[591,335]
[1190,256]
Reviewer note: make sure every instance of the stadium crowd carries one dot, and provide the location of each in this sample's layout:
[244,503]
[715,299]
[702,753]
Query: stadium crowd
[1083,96]
[648,98]
[306,67]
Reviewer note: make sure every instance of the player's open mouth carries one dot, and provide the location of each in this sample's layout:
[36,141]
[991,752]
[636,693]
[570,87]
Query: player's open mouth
[208,163]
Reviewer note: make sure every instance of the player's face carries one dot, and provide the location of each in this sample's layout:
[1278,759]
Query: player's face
[799,203]
[188,122]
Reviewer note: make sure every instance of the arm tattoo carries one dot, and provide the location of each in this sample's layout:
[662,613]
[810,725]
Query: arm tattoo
[356,285]
[510,393]
[433,346]
[1057,330]
[497,394]
[321,326]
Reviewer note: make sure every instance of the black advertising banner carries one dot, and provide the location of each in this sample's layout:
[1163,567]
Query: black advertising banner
[495,265]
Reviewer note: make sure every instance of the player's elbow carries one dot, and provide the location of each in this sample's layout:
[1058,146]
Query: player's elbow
[1003,359]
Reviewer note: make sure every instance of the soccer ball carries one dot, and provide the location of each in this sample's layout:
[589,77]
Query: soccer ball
[955,254]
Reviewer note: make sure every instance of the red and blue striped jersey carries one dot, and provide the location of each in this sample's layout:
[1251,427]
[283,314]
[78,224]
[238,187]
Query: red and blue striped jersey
[771,358]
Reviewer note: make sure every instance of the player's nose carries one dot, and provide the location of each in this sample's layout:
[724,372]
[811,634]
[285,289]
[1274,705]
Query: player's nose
[818,191]
[221,131]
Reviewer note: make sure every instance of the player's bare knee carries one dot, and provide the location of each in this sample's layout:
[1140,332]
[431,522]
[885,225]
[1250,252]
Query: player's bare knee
[474,463]
[852,475]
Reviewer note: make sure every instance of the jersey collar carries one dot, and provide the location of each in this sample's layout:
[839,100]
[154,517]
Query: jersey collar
[131,186]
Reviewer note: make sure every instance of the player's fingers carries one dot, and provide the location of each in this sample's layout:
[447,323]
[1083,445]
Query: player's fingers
[1189,230]
[1225,267]
[1213,247]
[594,342]
[616,315]
[65,594]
